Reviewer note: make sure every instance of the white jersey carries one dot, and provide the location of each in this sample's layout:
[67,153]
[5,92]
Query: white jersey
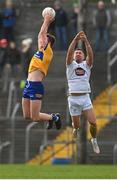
[78,75]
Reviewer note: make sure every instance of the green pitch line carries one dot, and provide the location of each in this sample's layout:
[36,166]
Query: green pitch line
[58,172]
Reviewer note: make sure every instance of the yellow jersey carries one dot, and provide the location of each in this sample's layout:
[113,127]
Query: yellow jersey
[41,60]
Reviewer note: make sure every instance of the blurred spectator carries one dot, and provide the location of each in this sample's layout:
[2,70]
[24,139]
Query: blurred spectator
[61,21]
[14,60]
[3,54]
[1,26]
[74,19]
[51,29]
[9,20]
[102,22]
[113,1]
[27,53]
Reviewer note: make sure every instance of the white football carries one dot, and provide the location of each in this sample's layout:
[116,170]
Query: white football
[48,11]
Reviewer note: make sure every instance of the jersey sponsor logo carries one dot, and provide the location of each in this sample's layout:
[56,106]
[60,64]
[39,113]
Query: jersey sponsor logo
[39,55]
[79,71]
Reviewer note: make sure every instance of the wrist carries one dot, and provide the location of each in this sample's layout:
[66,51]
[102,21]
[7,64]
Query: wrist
[87,42]
[76,39]
[47,20]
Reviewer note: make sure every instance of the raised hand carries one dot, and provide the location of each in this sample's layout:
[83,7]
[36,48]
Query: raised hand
[48,18]
[82,35]
[77,37]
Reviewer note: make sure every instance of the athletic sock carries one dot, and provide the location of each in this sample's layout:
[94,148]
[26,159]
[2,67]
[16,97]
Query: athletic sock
[55,117]
[76,129]
[93,130]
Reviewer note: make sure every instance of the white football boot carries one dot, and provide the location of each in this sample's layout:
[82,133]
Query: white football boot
[95,145]
[75,133]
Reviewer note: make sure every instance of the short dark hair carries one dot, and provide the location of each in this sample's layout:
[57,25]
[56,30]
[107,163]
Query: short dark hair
[80,50]
[51,39]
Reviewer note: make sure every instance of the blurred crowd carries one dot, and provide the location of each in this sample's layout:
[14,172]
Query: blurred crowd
[15,60]
[101,23]
[60,26]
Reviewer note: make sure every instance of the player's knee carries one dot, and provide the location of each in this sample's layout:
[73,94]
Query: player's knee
[92,120]
[35,118]
[26,117]
[92,123]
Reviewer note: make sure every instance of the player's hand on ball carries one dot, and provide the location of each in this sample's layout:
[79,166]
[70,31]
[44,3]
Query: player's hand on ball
[49,14]
[77,37]
[82,35]
[48,18]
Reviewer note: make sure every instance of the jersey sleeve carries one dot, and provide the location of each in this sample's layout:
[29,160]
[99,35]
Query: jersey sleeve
[70,65]
[87,66]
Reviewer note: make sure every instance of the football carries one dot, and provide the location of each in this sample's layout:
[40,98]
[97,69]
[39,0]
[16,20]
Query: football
[48,11]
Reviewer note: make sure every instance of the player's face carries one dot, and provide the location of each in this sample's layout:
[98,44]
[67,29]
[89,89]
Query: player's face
[79,55]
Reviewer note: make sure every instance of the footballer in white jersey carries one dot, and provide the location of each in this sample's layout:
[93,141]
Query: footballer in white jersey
[78,75]
[78,70]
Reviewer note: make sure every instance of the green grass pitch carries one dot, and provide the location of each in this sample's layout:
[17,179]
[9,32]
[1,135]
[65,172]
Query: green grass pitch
[58,172]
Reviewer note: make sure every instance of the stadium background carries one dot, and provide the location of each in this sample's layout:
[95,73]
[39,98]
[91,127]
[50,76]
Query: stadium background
[26,142]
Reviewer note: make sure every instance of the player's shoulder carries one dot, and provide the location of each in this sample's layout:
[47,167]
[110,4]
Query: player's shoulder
[71,64]
[86,64]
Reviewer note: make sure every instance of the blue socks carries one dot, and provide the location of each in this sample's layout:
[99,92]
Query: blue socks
[55,117]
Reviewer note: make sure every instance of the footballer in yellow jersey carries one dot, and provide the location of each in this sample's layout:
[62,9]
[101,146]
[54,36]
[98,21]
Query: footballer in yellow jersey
[38,68]
[42,59]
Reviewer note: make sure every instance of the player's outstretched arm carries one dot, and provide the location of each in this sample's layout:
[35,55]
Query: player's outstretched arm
[70,52]
[42,36]
[89,58]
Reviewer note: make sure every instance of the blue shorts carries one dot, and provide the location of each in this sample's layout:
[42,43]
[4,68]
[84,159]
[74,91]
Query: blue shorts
[33,90]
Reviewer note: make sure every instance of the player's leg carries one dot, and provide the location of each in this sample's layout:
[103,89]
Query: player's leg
[36,95]
[26,108]
[26,102]
[35,107]
[36,115]
[75,111]
[75,125]
[90,116]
